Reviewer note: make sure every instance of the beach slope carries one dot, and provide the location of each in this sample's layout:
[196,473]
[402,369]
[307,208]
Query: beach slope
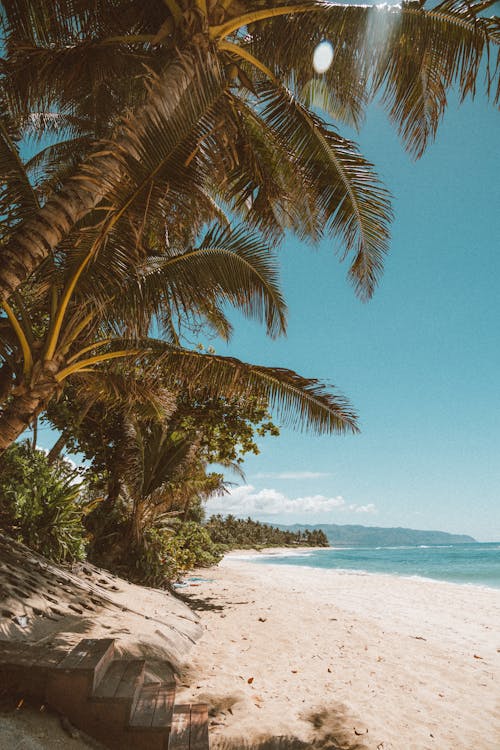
[346,660]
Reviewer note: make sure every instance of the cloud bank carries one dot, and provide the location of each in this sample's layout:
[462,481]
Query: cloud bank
[247,501]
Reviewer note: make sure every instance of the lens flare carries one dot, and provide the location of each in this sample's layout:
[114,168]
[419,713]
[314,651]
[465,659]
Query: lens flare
[323,56]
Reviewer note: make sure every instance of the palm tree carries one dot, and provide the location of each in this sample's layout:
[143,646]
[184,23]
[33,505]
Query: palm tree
[161,475]
[85,308]
[229,89]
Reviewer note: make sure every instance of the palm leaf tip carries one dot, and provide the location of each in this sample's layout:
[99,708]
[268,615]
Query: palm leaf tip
[299,402]
[352,203]
[306,403]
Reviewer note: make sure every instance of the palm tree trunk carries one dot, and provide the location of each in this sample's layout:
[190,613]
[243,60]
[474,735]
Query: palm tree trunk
[35,433]
[56,449]
[17,416]
[6,382]
[37,237]
[26,403]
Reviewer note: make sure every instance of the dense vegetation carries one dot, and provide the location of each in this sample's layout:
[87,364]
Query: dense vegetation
[239,533]
[42,504]
[153,155]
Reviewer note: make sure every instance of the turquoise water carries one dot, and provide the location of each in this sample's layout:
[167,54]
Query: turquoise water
[477,564]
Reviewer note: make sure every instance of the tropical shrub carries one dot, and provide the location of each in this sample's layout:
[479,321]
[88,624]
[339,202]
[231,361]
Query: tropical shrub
[166,553]
[41,505]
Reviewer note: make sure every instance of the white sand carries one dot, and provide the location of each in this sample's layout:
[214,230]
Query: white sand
[346,660]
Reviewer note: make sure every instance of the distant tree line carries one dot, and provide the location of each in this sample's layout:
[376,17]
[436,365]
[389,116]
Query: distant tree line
[242,533]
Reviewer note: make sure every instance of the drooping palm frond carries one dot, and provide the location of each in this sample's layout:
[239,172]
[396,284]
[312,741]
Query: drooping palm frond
[428,53]
[64,55]
[18,199]
[408,54]
[231,267]
[352,202]
[265,185]
[298,401]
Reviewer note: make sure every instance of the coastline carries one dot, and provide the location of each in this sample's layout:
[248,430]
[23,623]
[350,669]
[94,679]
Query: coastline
[266,551]
[281,552]
[359,661]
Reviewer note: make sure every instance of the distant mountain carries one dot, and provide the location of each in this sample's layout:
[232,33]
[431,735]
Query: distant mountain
[375,536]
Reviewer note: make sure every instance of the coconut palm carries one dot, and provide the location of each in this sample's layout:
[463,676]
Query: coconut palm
[95,302]
[252,141]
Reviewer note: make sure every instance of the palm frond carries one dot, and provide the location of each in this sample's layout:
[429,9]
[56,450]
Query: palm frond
[298,401]
[18,200]
[408,54]
[264,185]
[352,202]
[158,139]
[231,266]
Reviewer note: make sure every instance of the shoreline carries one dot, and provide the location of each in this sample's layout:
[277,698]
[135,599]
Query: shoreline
[246,555]
[369,662]
[264,551]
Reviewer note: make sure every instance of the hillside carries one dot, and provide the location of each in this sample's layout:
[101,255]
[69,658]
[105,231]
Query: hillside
[375,536]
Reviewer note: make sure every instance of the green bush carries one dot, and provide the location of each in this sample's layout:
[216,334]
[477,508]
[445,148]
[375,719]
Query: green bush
[40,503]
[166,553]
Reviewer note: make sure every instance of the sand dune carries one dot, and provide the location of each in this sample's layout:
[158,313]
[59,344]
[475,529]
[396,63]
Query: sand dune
[43,602]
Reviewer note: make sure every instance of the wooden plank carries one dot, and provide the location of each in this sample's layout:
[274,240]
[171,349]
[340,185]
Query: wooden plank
[109,683]
[10,650]
[198,739]
[145,708]
[181,728]
[164,705]
[87,654]
[27,653]
[131,681]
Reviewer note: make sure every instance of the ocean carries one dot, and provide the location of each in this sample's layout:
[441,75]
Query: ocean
[477,564]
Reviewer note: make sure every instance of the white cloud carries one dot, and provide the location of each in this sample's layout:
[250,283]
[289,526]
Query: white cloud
[247,501]
[369,508]
[292,475]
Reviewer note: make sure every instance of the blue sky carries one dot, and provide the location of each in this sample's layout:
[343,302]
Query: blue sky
[420,361]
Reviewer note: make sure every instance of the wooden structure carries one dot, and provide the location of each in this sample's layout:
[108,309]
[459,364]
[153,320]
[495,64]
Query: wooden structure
[109,698]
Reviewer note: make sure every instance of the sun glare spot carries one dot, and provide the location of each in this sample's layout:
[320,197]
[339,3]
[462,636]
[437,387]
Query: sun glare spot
[323,56]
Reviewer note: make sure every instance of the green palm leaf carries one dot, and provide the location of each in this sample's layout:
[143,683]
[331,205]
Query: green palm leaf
[352,202]
[18,199]
[408,54]
[299,402]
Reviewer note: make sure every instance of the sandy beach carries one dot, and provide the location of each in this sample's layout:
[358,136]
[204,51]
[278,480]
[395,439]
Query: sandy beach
[345,660]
